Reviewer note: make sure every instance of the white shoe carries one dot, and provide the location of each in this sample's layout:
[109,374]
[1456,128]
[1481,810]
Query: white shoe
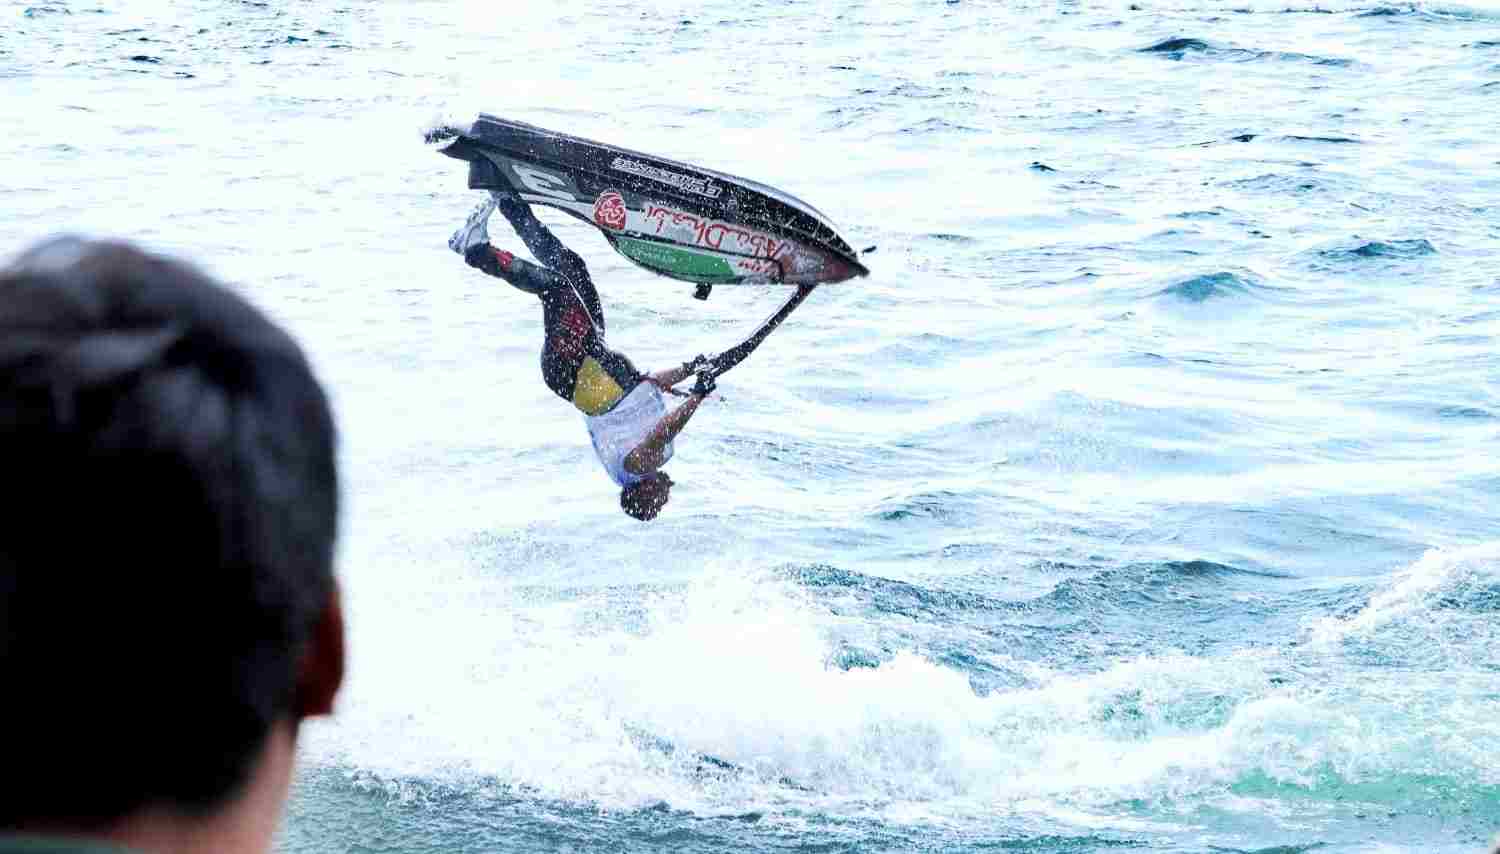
[475,230]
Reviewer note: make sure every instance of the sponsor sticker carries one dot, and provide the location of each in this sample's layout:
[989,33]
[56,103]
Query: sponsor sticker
[712,234]
[665,258]
[687,183]
[609,210]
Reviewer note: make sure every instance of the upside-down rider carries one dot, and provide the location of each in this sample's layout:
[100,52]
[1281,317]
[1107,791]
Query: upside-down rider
[627,418]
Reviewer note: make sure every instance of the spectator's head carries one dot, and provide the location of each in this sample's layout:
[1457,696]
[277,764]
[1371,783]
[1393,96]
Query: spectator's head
[168,612]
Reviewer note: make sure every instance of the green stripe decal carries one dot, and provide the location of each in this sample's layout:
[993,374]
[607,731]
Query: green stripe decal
[678,262]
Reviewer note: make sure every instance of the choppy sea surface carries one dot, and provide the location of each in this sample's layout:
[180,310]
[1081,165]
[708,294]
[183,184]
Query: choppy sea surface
[1144,498]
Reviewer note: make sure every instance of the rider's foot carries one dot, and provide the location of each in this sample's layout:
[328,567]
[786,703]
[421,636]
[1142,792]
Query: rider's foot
[475,230]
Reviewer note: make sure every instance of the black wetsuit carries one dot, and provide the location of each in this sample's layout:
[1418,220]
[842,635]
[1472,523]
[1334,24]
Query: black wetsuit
[576,364]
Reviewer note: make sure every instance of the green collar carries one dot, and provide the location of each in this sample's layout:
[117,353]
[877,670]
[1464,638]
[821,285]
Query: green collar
[56,845]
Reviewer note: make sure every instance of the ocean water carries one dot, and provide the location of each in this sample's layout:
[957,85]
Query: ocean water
[1144,497]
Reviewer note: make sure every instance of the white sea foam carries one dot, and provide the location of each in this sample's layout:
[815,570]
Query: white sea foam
[561,701]
[1413,597]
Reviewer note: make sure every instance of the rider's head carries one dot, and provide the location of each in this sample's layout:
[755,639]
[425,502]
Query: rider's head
[645,499]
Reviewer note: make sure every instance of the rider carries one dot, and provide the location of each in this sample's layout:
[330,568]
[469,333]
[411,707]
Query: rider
[626,415]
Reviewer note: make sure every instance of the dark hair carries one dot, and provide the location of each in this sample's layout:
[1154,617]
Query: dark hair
[635,504]
[170,508]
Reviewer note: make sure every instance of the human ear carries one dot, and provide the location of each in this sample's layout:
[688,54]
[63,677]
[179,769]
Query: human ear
[321,672]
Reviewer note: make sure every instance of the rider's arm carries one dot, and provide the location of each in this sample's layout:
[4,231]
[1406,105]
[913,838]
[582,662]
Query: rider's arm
[664,380]
[648,455]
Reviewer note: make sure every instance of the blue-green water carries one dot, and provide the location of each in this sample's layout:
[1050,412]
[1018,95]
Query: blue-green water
[1143,499]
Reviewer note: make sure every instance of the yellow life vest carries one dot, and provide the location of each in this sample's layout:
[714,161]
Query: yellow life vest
[595,392]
